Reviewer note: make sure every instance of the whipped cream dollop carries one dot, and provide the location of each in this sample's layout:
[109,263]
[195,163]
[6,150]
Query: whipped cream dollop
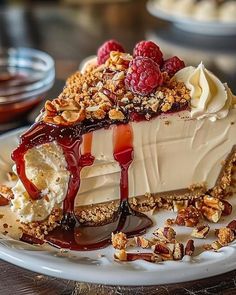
[209,96]
[46,167]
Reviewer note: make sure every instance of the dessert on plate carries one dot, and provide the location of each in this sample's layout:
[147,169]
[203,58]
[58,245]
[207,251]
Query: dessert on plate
[128,133]
[201,10]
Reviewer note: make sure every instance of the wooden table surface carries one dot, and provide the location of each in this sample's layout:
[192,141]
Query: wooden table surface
[69,34]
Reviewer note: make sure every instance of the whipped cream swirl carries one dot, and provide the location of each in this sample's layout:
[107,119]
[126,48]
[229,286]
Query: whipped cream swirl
[209,96]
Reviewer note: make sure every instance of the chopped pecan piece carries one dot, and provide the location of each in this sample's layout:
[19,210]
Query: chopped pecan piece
[227,208]
[178,251]
[163,250]
[116,115]
[6,192]
[200,232]
[142,242]
[211,214]
[189,216]
[198,204]
[121,255]
[118,61]
[73,116]
[50,108]
[119,240]
[232,226]
[225,236]
[189,248]
[170,221]
[4,201]
[124,256]
[213,202]
[178,205]
[166,234]
[216,232]
[216,245]
[212,208]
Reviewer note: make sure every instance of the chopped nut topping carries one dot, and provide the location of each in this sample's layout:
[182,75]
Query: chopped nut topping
[119,240]
[142,242]
[211,214]
[118,61]
[178,252]
[6,192]
[200,232]
[189,216]
[189,248]
[178,205]
[215,246]
[225,236]
[232,226]
[116,115]
[100,93]
[213,207]
[166,234]
[227,208]
[198,204]
[164,250]
[122,255]
[170,221]
[213,202]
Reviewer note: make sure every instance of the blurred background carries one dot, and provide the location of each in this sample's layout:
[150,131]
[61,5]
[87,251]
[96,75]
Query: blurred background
[71,30]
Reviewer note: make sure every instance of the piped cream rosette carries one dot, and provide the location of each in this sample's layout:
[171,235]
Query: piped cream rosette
[209,96]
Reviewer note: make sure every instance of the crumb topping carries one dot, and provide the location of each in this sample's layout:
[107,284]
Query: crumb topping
[100,94]
[119,240]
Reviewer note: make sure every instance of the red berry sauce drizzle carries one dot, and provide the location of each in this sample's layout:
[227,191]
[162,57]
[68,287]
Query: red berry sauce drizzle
[71,234]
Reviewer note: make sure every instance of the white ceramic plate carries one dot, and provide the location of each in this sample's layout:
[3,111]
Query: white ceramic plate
[99,266]
[190,25]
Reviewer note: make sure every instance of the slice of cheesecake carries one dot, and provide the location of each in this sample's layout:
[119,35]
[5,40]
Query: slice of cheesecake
[125,129]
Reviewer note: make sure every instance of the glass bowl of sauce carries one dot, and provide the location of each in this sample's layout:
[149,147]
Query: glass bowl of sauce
[25,77]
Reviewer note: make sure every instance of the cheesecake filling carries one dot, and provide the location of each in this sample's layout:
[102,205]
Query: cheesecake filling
[170,152]
[161,147]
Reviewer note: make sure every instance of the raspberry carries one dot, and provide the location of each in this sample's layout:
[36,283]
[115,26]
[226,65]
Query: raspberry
[172,65]
[105,49]
[149,49]
[143,76]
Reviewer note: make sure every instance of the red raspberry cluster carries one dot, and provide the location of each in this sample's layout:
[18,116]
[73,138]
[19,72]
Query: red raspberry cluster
[144,74]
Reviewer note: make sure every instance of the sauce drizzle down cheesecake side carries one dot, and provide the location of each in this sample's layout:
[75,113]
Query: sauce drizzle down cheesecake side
[70,234]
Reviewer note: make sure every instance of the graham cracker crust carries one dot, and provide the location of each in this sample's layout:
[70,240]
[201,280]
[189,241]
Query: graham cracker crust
[103,212]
